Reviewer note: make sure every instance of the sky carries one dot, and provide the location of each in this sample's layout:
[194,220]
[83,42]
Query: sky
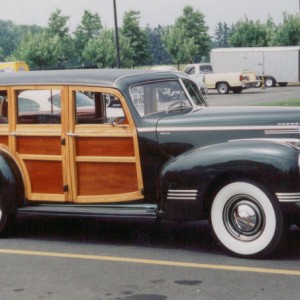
[152,12]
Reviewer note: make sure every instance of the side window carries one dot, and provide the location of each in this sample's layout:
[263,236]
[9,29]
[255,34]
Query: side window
[97,108]
[191,71]
[39,106]
[3,107]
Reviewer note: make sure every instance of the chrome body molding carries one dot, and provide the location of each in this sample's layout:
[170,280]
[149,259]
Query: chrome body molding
[275,129]
[146,129]
[282,131]
[288,197]
[182,195]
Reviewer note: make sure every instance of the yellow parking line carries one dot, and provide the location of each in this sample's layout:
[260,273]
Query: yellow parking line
[153,262]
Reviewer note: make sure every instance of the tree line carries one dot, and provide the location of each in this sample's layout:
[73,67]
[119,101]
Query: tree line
[92,45]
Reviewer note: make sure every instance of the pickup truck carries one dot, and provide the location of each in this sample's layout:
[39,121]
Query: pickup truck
[223,82]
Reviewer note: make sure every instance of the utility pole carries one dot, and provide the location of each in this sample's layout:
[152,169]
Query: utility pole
[117,36]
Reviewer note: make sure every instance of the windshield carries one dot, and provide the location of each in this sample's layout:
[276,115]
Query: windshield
[164,96]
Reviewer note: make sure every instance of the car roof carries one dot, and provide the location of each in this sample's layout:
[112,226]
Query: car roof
[95,77]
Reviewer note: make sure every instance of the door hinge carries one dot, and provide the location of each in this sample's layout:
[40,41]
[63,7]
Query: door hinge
[66,188]
[63,142]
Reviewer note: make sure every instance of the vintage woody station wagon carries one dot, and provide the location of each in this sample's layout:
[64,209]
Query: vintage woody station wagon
[160,152]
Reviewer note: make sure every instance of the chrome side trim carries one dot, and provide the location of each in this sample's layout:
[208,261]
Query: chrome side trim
[182,194]
[282,131]
[274,129]
[288,197]
[147,129]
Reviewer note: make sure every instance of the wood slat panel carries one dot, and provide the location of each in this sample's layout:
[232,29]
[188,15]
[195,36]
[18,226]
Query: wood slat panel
[47,145]
[45,176]
[4,139]
[104,146]
[106,178]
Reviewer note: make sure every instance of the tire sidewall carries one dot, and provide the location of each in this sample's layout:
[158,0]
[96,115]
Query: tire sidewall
[271,233]
[223,88]
[269,82]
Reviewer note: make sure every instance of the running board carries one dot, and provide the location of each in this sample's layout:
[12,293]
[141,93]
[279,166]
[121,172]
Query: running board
[122,211]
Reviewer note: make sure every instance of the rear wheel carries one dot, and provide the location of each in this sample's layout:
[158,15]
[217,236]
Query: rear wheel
[223,88]
[6,219]
[246,221]
[270,82]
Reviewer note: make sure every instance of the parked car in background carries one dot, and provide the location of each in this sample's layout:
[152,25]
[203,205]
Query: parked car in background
[223,82]
[163,154]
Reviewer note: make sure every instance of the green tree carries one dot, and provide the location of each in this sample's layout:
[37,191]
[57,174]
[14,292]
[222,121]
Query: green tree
[247,33]
[182,49]
[222,33]
[58,33]
[1,54]
[157,50]
[271,30]
[288,33]
[7,37]
[127,54]
[135,37]
[37,50]
[101,50]
[89,29]
[188,40]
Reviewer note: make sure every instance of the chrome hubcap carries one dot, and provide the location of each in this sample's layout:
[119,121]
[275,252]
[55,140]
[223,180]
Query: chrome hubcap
[243,217]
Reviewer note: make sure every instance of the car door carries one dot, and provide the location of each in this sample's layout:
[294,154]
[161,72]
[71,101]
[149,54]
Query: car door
[36,134]
[104,161]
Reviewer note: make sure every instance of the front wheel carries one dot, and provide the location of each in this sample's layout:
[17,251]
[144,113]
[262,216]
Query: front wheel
[223,88]
[246,221]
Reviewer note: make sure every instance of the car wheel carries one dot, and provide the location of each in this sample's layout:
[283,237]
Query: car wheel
[246,221]
[223,88]
[6,219]
[270,82]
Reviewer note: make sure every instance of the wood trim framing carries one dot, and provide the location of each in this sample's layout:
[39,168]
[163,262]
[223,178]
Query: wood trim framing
[64,155]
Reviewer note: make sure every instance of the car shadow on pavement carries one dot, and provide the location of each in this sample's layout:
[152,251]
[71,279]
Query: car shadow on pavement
[194,236]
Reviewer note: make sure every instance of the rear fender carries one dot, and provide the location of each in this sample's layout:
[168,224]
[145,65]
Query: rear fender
[190,179]
[12,189]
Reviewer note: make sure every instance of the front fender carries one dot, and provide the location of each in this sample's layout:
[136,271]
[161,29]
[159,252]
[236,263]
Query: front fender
[190,179]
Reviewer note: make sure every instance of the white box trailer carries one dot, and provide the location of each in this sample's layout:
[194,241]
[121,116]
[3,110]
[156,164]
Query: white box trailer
[271,64]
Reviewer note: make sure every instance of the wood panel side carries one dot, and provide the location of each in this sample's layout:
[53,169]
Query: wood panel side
[46,145]
[104,146]
[106,178]
[45,176]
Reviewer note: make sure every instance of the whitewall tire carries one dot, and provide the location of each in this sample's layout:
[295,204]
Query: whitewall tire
[245,220]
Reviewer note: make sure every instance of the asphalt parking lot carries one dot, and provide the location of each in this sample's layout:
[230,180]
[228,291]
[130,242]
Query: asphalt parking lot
[254,96]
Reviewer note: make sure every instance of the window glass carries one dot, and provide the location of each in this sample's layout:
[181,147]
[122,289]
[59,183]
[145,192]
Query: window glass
[162,96]
[97,108]
[39,106]
[206,68]
[190,70]
[194,93]
[3,107]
